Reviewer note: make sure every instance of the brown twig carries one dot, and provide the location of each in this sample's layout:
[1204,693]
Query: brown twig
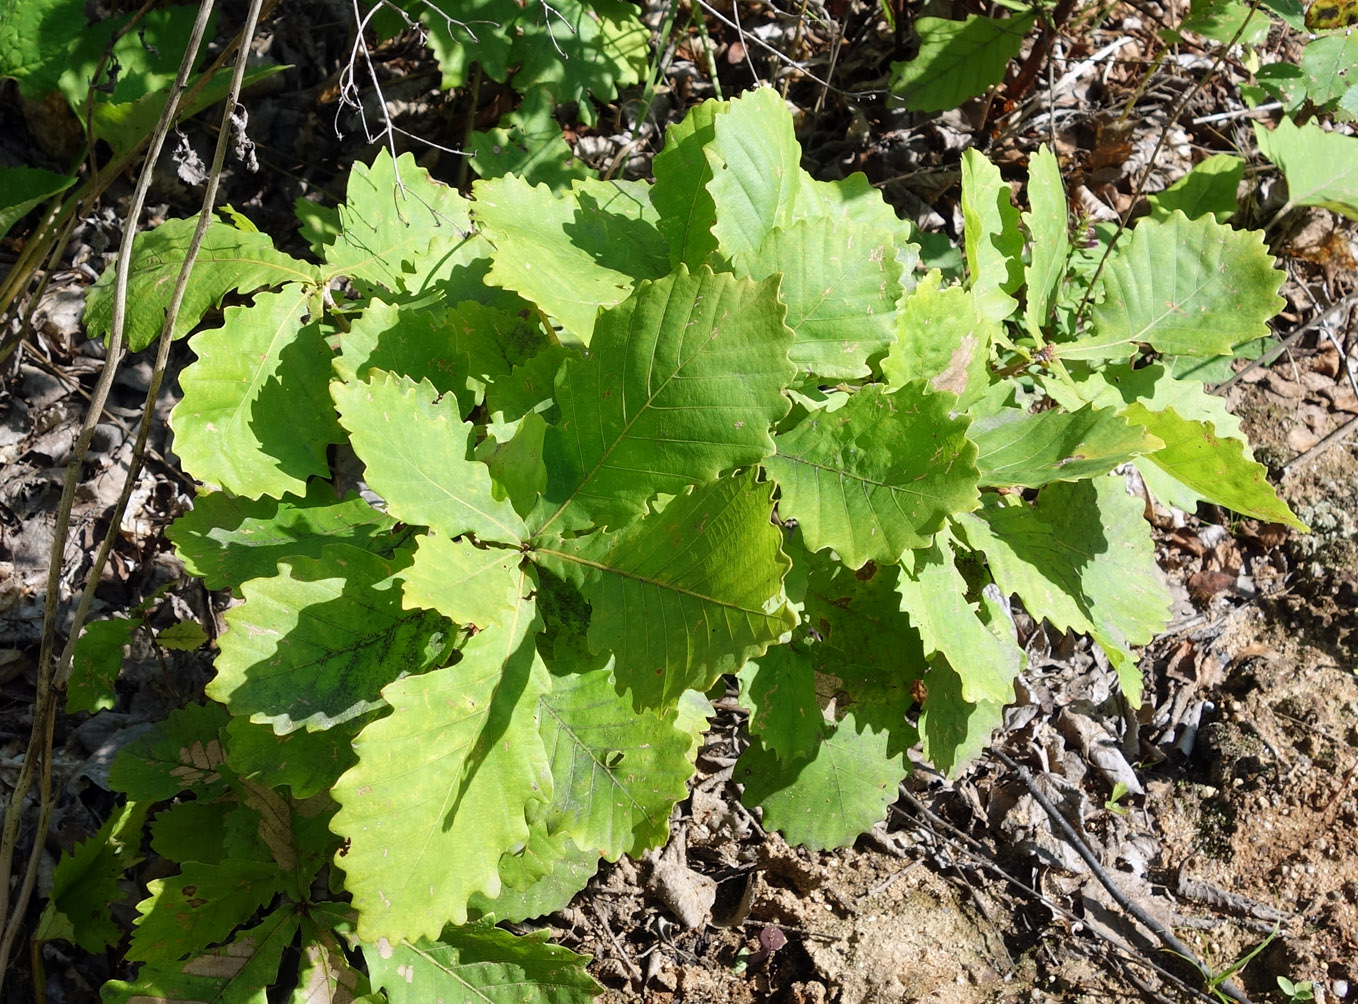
[1167,937]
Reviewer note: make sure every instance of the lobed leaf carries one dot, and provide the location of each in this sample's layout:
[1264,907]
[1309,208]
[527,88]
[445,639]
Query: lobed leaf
[229,259]
[1212,468]
[681,383]
[957,60]
[24,188]
[942,337]
[541,878]
[179,755]
[876,476]
[1081,556]
[414,451]
[87,882]
[201,905]
[528,143]
[481,964]
[573,253]
[779,691]
[1191,287]
[756,173]
[400,229]
[470,585]
[953,730]
[226,540]
[866,652]
[827,801]
[312,646]
[1048,224]
[686,593]
[1031,450]
[255,418]
[1321,167]
[934,594]
[994,245]
[616,773]
[686,208]
[840,284]
[441,784]
[244,968]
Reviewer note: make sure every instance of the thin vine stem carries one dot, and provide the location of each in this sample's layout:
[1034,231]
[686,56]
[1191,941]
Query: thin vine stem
[38,760]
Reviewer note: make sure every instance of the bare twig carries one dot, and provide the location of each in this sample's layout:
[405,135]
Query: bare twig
[1288,342]
[38,760]
[1333,439]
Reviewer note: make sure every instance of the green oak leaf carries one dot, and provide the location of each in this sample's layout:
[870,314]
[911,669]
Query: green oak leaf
[459,350]
[577,48]
[840,284]
[461,33]
[179,755]
[680,195]
[952,729]
[441,785]
[866,651]
[516,467]
[1119,385]
[934,594]
[199,831]
[255,419]
[312,646]
[88,881]
[480,964]
[528,143]
[201,905]
[857,203]
[617,773]
[1081,556]
[325,973]
[1048,223]
[414,451]
[779,691]
[229,259]
[1184,287]
[574,252]
[400,229]
[469,585]
[24,188]
[306,762]
[1213,468]
[241,970]
[994,243]
[38,39]
[541,878]
[682,382]
[876,476]
[96,663]
[226,540]
[1032,449]
[1321,167]
[686,593]
[756,173]
[1209,189]
[957,60]
[943,338]
[827,801]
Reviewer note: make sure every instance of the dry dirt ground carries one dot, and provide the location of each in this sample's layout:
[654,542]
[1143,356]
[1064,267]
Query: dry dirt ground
[1240,822]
